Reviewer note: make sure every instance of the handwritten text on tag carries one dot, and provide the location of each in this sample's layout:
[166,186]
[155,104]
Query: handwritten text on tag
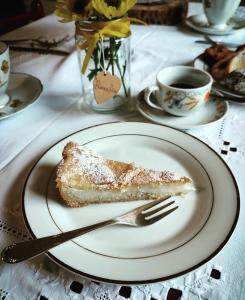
[105,86]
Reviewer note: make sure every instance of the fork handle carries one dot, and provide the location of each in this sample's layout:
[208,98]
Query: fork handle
[22,251]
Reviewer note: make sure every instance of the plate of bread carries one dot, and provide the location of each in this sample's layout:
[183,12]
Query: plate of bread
[103,171]
[226,66]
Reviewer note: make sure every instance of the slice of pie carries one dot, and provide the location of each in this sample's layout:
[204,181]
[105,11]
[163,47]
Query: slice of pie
[85,177]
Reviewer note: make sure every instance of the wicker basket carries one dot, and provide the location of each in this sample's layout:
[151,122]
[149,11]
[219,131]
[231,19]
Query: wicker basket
[171,13]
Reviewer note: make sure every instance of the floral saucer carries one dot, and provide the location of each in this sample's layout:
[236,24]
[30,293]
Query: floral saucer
[23,90]
[200,23]
[212,112]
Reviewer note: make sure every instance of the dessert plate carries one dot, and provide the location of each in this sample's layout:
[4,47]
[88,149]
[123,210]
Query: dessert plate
[24,90]
[200,23]
[212,112]
[199,63]
[205,219]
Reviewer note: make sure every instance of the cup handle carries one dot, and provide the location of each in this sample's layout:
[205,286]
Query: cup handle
[147,94]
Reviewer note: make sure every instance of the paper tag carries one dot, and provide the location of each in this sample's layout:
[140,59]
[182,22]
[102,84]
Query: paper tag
[105,86]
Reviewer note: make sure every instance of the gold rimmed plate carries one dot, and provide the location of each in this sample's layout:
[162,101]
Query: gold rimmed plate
[205,219]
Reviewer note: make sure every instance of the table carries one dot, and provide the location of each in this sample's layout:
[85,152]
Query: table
[58,113]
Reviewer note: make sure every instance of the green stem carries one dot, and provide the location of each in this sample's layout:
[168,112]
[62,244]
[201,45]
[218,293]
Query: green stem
[102,63]
[122,77]
[112,54]
[112,47]
[109,63]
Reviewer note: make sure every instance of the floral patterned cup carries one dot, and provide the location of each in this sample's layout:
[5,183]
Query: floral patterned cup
[180,90]
[4,73]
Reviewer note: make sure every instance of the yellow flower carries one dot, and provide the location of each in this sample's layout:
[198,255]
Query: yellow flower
[73,10]
[111,12]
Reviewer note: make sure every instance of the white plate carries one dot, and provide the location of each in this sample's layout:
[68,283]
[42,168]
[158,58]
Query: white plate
[199,63]
[24,90]
[212,112]
[183,241]
[200,23]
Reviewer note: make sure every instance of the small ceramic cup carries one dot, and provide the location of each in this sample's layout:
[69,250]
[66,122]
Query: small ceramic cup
[4,73]
[218,12]
[180,90]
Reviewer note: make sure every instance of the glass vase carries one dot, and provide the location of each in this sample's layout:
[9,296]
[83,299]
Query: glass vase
[109,55]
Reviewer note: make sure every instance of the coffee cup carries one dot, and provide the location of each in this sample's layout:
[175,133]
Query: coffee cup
[218,12]
[179,90]
[4,73]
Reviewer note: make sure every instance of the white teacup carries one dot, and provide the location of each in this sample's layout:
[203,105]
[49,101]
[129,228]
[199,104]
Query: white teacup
[4,73]
[218,12]
[180,90]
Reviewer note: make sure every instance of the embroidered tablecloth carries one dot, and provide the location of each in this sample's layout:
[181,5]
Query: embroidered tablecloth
[59,112]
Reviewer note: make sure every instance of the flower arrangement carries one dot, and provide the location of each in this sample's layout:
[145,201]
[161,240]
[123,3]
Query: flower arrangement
[101,26]
[99,10]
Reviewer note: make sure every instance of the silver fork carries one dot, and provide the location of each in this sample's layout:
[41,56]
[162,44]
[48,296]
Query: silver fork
[139,216]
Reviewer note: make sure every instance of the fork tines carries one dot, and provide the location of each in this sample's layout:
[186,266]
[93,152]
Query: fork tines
[160,216]
[150,215]
[154,211]
[153,203]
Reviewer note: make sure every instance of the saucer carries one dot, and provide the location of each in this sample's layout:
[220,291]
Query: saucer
[212,112]
[200,23]
[23,90]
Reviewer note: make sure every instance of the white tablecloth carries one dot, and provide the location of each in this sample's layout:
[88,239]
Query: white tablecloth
[58,112]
